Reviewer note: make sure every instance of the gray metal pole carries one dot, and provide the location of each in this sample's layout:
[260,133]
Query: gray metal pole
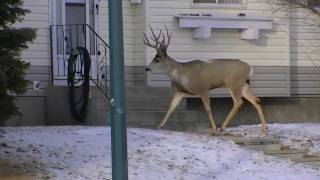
[118,109]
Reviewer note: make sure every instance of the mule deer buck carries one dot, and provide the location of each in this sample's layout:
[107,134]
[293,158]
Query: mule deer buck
[199,77]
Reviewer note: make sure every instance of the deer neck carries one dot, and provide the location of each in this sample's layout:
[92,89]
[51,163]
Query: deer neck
[172,68]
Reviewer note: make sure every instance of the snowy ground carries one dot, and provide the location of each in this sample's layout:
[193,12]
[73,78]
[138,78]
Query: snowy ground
[305,136]
[84,153]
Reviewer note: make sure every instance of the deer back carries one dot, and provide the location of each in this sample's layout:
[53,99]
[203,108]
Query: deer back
[198,76]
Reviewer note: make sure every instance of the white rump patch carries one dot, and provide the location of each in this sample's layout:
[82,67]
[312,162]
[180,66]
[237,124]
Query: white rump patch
[251,72]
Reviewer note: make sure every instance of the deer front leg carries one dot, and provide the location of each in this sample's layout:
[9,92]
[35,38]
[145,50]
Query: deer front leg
[206,102]
[177,97]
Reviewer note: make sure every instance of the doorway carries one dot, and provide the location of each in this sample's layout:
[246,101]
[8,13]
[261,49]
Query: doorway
[75,23]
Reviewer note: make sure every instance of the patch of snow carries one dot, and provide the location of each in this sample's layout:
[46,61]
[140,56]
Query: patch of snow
[85,153]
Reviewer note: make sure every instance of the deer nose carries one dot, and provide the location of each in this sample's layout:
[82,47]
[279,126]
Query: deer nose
[148,69]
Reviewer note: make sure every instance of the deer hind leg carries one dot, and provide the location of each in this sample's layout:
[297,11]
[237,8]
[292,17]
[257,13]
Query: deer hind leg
[177,97]
[237,102]
[206,102]
[246,93]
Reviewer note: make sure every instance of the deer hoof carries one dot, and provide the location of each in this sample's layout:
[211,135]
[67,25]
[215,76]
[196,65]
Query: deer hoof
[264,131]
[160,127]
[213,132]
[221,130]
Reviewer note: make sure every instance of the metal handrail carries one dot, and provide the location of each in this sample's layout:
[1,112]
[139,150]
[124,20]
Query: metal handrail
[69,36]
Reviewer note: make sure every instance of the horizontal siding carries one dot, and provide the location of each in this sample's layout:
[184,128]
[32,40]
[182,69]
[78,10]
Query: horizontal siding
[266,81]
[38,53]
[38,73]
[131,29]
[138,29]
[224,43]
[305,81]
[304,38]
[304,52]
[134,75]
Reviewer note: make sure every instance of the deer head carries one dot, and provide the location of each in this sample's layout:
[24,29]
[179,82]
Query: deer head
[161,47]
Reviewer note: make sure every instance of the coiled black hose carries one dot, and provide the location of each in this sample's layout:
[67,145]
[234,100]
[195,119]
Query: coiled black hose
[79,64]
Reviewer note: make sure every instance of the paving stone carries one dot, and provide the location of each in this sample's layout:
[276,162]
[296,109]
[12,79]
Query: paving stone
[273,147]
[254,141]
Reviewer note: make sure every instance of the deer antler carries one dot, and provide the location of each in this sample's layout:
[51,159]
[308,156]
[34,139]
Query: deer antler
[163,43]
[158,45]
[154,38]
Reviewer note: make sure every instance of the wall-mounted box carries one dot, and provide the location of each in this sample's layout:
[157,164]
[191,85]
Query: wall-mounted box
[136,1]
[202,24]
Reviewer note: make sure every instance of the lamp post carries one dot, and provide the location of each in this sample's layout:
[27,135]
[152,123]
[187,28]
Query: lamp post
[118,108]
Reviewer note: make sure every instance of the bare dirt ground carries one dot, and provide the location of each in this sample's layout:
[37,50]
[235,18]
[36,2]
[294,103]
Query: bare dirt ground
[10,173]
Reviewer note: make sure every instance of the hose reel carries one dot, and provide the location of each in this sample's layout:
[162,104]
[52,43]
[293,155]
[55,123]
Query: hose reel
[79,64]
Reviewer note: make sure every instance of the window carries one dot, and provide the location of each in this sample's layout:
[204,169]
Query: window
[218,3]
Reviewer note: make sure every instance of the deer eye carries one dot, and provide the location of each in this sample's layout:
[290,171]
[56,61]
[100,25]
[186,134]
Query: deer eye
[157,60]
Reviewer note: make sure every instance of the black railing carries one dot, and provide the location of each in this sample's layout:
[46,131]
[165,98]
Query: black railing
[65,39]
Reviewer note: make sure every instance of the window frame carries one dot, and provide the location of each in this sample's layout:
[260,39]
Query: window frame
[217,5]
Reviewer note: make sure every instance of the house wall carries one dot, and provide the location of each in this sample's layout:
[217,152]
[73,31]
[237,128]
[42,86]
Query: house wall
[133,20]
[134,51]
[38,53]
[304,49]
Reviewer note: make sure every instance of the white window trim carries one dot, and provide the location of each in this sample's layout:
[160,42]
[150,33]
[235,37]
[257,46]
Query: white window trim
[217,5]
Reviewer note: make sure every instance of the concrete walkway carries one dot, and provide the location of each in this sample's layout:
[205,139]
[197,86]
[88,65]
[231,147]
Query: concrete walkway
[272,146]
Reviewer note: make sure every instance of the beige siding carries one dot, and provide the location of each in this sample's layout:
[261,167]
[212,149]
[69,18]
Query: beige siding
[38,53]
[305,38]
[305,59]
[271,49]
[133,19]
[138,29]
